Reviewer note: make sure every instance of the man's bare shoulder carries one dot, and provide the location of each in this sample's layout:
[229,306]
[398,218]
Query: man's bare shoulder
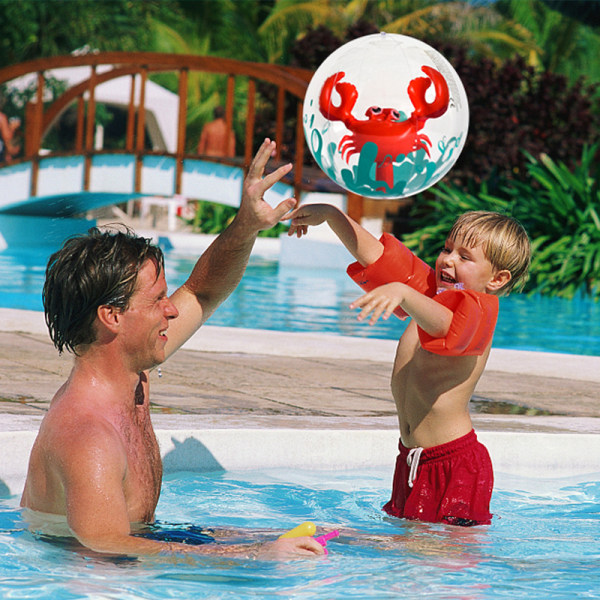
[69,428]
[74,445]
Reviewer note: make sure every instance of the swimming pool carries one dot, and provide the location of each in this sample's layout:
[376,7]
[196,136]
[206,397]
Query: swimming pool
[286,298]
[543,543]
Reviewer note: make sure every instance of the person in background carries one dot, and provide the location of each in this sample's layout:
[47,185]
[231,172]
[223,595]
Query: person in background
[8,128]
[216,139]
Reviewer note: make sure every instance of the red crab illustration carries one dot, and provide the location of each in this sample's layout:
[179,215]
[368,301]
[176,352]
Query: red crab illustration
[383,125]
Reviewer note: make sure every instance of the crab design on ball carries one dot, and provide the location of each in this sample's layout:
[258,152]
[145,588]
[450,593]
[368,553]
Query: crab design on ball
[386,127]
[385,116]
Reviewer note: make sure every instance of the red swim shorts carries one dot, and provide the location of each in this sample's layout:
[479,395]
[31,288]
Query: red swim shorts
[451,483]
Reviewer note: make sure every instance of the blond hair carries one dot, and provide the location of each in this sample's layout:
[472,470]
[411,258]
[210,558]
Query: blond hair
[505,243]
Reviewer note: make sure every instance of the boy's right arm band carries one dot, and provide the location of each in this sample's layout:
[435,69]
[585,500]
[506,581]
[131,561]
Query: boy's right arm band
[473,322]
[397,263]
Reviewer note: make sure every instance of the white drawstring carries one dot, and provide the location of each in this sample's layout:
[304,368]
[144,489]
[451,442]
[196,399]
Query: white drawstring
[412,460]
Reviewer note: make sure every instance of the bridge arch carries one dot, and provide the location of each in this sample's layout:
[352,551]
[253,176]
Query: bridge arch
[86,177]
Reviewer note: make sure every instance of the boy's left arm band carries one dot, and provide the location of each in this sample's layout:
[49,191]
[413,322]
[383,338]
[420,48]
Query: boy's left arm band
[472,327]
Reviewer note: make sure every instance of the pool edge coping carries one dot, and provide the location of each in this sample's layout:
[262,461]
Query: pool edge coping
[536,455]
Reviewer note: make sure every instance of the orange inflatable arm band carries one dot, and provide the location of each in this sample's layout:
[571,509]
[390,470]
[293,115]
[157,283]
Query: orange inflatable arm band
[397,263]
[472,326]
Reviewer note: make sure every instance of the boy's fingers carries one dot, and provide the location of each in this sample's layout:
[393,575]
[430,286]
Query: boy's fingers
[299,230]
[374,305]
[294,213]
[363,314]
[284,207]
[376,314]
[366,310]
[361,301]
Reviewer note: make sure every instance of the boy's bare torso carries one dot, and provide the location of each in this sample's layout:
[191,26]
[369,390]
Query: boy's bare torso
[432,392]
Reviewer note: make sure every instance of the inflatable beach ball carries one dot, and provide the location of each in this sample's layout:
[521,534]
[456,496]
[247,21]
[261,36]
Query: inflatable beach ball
[385,116]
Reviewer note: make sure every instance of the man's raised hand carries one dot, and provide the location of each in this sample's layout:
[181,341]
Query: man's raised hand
[254,212]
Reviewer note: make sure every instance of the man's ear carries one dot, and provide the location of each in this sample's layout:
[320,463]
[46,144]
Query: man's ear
[498,281]
[109,316]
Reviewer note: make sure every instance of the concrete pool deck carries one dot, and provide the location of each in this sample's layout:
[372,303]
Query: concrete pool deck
[235,377]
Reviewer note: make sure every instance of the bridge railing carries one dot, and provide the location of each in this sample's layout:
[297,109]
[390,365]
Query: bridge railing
[40,117]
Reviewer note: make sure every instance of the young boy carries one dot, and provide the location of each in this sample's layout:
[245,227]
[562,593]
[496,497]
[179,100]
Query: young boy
[443,474]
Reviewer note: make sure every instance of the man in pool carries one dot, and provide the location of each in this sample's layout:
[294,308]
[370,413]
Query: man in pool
[443,473]
[96,462]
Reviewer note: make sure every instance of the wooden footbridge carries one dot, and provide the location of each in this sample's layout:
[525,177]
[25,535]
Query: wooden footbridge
[70,182]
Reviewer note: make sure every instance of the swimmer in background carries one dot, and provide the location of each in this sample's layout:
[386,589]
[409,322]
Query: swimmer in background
[216,139]
[95,465]
[8,130]
[443,473]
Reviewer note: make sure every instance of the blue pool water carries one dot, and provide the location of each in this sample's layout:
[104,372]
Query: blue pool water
[311,300]
[543,544]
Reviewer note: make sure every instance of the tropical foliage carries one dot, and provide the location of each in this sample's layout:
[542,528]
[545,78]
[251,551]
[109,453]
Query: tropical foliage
[562,217]
[515,108]
[211,217]
[270,30]
[34,28]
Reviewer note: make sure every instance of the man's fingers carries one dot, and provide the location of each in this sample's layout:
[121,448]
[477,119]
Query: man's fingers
[275,176]
[261,158]
[308,545]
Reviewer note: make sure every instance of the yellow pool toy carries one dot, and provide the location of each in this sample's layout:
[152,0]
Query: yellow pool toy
[307,528]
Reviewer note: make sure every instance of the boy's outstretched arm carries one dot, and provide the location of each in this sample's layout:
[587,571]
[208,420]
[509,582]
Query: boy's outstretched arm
[432,317]
[365,247]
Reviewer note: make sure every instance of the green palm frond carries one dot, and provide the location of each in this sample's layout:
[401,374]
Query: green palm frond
[290,17]
[493,37]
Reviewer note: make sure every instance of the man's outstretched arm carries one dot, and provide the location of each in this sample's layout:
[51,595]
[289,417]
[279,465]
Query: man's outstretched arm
[92,474]
[221,267]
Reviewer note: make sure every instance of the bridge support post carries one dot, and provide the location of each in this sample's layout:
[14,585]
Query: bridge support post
[181,122]
[250,116]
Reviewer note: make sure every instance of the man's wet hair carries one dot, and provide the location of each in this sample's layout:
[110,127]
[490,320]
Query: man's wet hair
[91,270]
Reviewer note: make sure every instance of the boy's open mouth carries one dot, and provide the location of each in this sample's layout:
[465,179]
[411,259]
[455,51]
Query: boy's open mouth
[445,278]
